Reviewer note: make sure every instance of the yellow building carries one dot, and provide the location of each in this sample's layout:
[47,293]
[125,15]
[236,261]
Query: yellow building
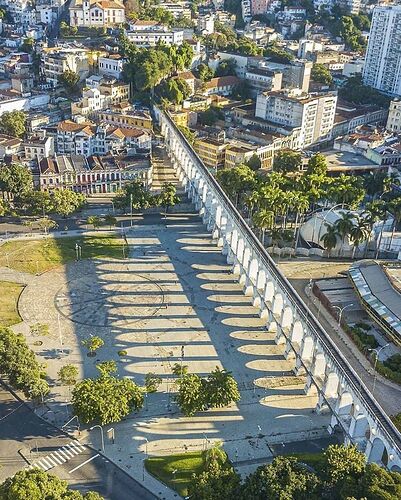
[211,152]
[126,119]
[239,152]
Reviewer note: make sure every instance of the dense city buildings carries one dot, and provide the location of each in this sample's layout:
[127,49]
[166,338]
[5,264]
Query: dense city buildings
[200,237]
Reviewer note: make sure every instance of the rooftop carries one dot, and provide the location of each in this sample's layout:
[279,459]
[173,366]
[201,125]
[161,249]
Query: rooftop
[340,161]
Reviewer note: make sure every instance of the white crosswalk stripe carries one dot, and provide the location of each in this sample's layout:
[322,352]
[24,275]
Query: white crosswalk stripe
[66,457]
[73,449]
[55,459]
[62,459]
[59,456]
[67,451]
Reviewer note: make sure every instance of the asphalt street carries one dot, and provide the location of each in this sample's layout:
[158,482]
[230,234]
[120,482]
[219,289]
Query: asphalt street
[25,439]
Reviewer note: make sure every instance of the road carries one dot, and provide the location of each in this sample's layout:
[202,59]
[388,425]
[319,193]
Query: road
[299,272]
[26,439]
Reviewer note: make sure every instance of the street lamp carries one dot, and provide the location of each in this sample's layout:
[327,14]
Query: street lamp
[101,434]
[340,315]
[377,351]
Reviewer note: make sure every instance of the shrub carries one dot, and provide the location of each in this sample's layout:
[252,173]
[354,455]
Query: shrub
[363,326]
[123,352]
[19,364]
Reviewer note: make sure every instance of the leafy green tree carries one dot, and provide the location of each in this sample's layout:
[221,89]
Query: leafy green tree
[168,196]
[375,483]
[241,91]
[134,192]
[254,162]
[221,389]
[179,369]
[19,363]
[152,382]
[218,481]
[210,116]
[320,73]
[355,91]
[64,28]
[149,68]
[317,165]
[69,80]
[36,484]
[66,202]
[283,479]
[110,220]
[106,399]
[15,181]
[226,68]
[276,54]
[4,207]
[68,374]
[286,161]
[204,72]
[13,123]
[93,343]
[237,181]
[341,462]
[94,220]
[28,45]
[38,202]
[174,90]
[106,368]
[46,224]
[190,396]
[350,33]
[346,189]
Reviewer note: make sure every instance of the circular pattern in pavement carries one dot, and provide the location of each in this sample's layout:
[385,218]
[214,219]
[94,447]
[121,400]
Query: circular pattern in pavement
[102,301]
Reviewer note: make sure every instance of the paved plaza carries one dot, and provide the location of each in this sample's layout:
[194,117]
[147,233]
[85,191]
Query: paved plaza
[174,290]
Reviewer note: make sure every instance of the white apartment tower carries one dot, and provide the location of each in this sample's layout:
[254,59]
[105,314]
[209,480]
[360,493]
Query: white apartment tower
[312,114]
[383,56]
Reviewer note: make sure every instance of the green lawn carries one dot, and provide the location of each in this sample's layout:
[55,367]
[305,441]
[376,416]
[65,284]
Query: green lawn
[9,293]
[42,255]
[186,464]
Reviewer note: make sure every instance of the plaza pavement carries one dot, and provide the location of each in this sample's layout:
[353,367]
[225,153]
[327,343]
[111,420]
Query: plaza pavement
[174,290]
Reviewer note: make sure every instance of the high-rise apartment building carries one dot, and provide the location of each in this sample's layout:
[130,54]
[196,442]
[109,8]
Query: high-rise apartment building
[312,114]
[383,56]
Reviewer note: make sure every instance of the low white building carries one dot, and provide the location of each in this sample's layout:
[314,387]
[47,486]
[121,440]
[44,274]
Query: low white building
[38,147]
[152,37]
[111,65]
[96,13]
[87,138]
[206,24]
[353,67]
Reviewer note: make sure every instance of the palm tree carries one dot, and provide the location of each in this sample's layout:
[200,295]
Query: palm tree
[395,210]
[263,220]
[359,233]
[329,238]
[344,226]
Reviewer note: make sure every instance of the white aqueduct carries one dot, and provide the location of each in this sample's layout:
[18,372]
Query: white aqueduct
[340,391]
